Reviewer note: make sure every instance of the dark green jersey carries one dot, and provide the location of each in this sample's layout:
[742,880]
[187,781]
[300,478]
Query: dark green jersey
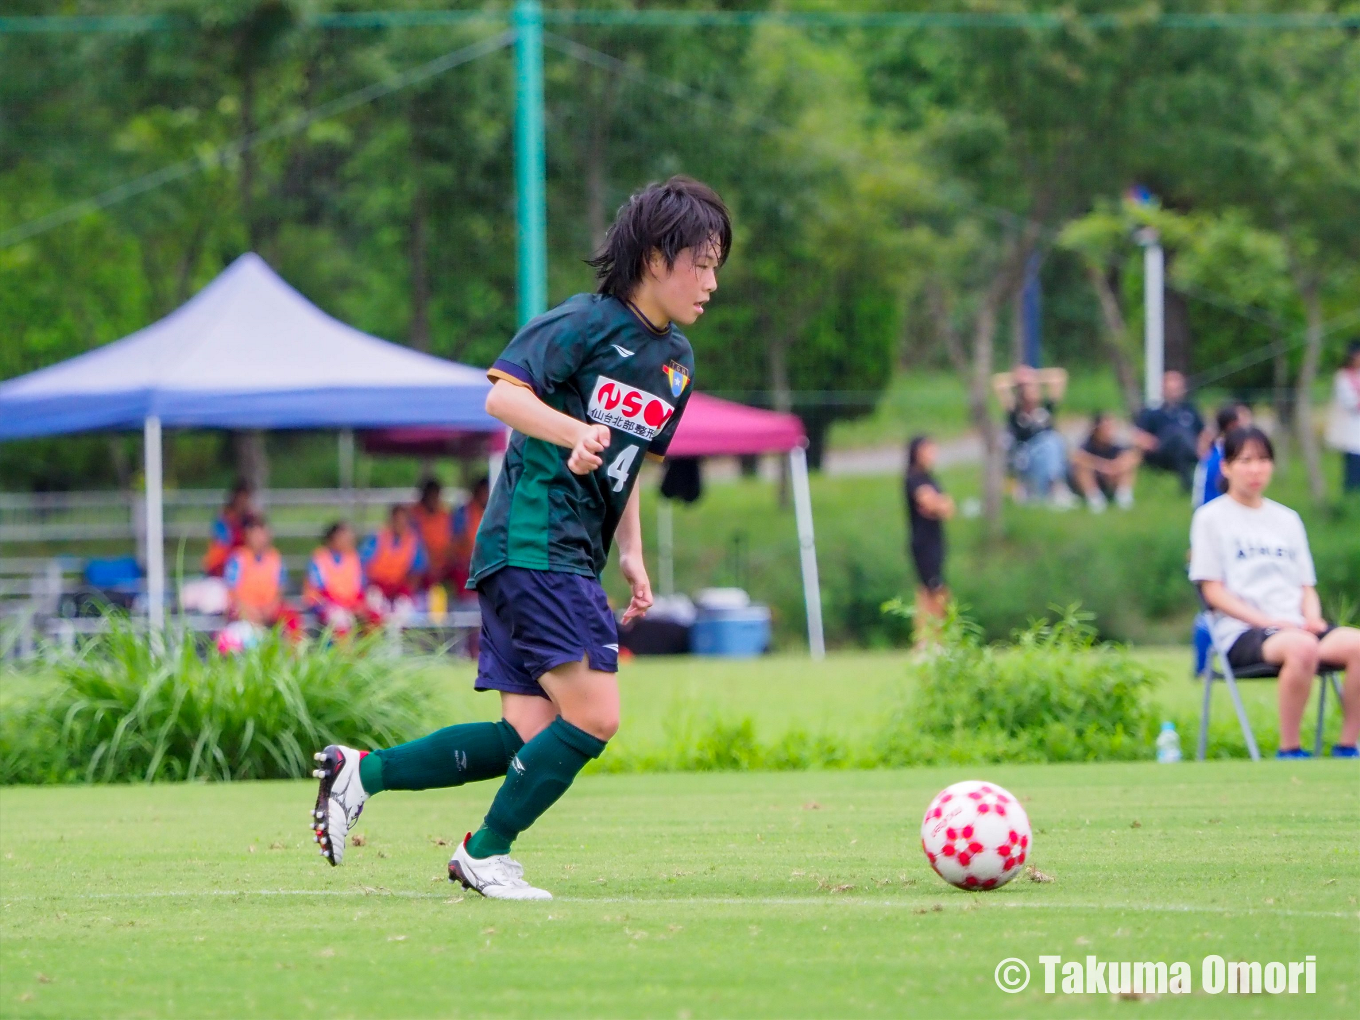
[593,358]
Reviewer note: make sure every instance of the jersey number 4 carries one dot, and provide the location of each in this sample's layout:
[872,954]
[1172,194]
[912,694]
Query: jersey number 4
[618,470]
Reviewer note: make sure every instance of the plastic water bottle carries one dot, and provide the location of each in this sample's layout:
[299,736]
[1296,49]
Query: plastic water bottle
[1168,743]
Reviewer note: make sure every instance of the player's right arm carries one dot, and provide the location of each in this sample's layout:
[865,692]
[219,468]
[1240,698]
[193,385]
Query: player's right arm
[517,406]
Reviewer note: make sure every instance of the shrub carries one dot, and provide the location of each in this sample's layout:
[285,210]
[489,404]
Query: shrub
[1054,694]
[128,709]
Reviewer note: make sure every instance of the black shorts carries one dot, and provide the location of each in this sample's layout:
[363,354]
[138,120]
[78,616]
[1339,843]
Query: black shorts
[929,560]
[536,620]
[1248,650]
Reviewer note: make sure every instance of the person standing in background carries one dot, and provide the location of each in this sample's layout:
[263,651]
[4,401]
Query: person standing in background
[927,510]
[1209,475]
[1343,430]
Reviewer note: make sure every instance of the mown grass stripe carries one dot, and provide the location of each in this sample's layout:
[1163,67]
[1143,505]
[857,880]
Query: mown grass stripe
[724,901]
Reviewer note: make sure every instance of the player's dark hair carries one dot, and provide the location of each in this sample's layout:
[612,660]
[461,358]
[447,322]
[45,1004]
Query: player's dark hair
[240,487]
[1228,415]
[1239,441]
[1353,353]
[329,534]
[430,487]
[666,218]
[914,449]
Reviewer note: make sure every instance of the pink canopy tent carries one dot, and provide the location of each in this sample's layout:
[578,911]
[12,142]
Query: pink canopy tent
[713,427]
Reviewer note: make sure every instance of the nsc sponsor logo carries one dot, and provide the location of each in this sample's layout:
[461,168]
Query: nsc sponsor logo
[628,408]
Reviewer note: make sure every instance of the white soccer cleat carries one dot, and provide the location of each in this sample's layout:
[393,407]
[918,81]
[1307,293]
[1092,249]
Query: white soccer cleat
[498,878]
[339,801]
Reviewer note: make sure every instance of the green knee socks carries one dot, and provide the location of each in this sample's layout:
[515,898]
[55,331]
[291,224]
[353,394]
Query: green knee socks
[449,757]
[539,774]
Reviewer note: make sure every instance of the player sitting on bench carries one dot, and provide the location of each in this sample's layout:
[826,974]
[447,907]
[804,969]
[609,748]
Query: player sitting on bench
[1250,557]
[256,578]
[394,559]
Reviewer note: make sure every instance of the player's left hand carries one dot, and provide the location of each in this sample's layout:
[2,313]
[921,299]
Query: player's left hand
[636,575]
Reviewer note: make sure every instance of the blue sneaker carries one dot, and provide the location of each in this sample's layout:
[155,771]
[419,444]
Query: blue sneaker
[1342,751]
[1293,752]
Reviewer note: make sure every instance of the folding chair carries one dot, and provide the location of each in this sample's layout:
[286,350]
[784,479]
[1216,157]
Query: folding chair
[1263,671]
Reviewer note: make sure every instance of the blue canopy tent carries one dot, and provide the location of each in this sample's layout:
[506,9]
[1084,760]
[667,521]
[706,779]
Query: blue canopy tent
[247,352]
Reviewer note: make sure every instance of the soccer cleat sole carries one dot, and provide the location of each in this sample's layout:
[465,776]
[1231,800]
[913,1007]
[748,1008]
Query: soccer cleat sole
[332,761]
[456,875]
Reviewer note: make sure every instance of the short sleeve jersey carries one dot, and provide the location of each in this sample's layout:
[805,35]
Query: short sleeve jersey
[1260,555]
[597,360]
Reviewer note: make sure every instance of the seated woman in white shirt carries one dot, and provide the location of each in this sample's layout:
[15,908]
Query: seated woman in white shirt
[1250,557]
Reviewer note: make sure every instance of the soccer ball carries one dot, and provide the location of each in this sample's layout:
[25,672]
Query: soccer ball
[976,835]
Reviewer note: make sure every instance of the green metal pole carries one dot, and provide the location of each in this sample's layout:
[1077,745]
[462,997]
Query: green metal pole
[530,169]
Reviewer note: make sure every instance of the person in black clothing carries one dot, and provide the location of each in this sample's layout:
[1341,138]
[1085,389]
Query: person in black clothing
[1172,436]
[1104,469]
[927,510]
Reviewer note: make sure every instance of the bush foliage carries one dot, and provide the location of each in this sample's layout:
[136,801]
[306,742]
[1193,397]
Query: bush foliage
[124,709]
[1054,693]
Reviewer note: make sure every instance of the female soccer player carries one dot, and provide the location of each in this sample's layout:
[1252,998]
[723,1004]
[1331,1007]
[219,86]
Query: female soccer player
[1250,557]
[588,388]
[927,510]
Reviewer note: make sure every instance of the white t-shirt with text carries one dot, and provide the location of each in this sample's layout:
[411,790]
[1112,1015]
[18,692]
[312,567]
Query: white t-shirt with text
[1261,556]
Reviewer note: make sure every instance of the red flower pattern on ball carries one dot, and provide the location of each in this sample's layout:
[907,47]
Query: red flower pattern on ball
[976,835]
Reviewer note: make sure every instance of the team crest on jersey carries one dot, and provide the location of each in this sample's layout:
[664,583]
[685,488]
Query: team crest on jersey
[678,377]
[628,408]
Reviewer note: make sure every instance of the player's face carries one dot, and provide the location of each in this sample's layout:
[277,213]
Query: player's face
[925,455]
[1250,473]
[684,288]
[257,539]
[343,541]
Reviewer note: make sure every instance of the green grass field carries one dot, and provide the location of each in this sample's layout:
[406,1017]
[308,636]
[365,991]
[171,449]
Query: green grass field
[700,894]
[754,894]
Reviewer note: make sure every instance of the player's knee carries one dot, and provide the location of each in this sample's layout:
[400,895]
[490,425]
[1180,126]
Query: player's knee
[599,721]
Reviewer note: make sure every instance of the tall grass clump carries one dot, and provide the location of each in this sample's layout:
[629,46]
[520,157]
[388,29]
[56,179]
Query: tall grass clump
[127,709]
[1055,693]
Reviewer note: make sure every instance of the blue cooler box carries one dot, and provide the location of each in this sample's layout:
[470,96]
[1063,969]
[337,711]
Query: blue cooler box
[738,633]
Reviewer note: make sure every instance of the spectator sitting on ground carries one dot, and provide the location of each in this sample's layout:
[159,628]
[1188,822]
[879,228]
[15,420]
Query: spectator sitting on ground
[1250,557]
[435,522]
[1209,474]
[394,558]
[1343,428]
[1104,469]
[334,589]
[256,579]
[226,528]
[1038,454]
[1171,436]
[466,520]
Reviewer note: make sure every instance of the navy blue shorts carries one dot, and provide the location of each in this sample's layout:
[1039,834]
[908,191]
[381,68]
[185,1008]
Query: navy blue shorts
[536,620]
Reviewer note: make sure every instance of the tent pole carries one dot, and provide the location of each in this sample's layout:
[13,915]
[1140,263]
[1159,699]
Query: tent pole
[665,544]
[346,457]
[155,524]
[807,550]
